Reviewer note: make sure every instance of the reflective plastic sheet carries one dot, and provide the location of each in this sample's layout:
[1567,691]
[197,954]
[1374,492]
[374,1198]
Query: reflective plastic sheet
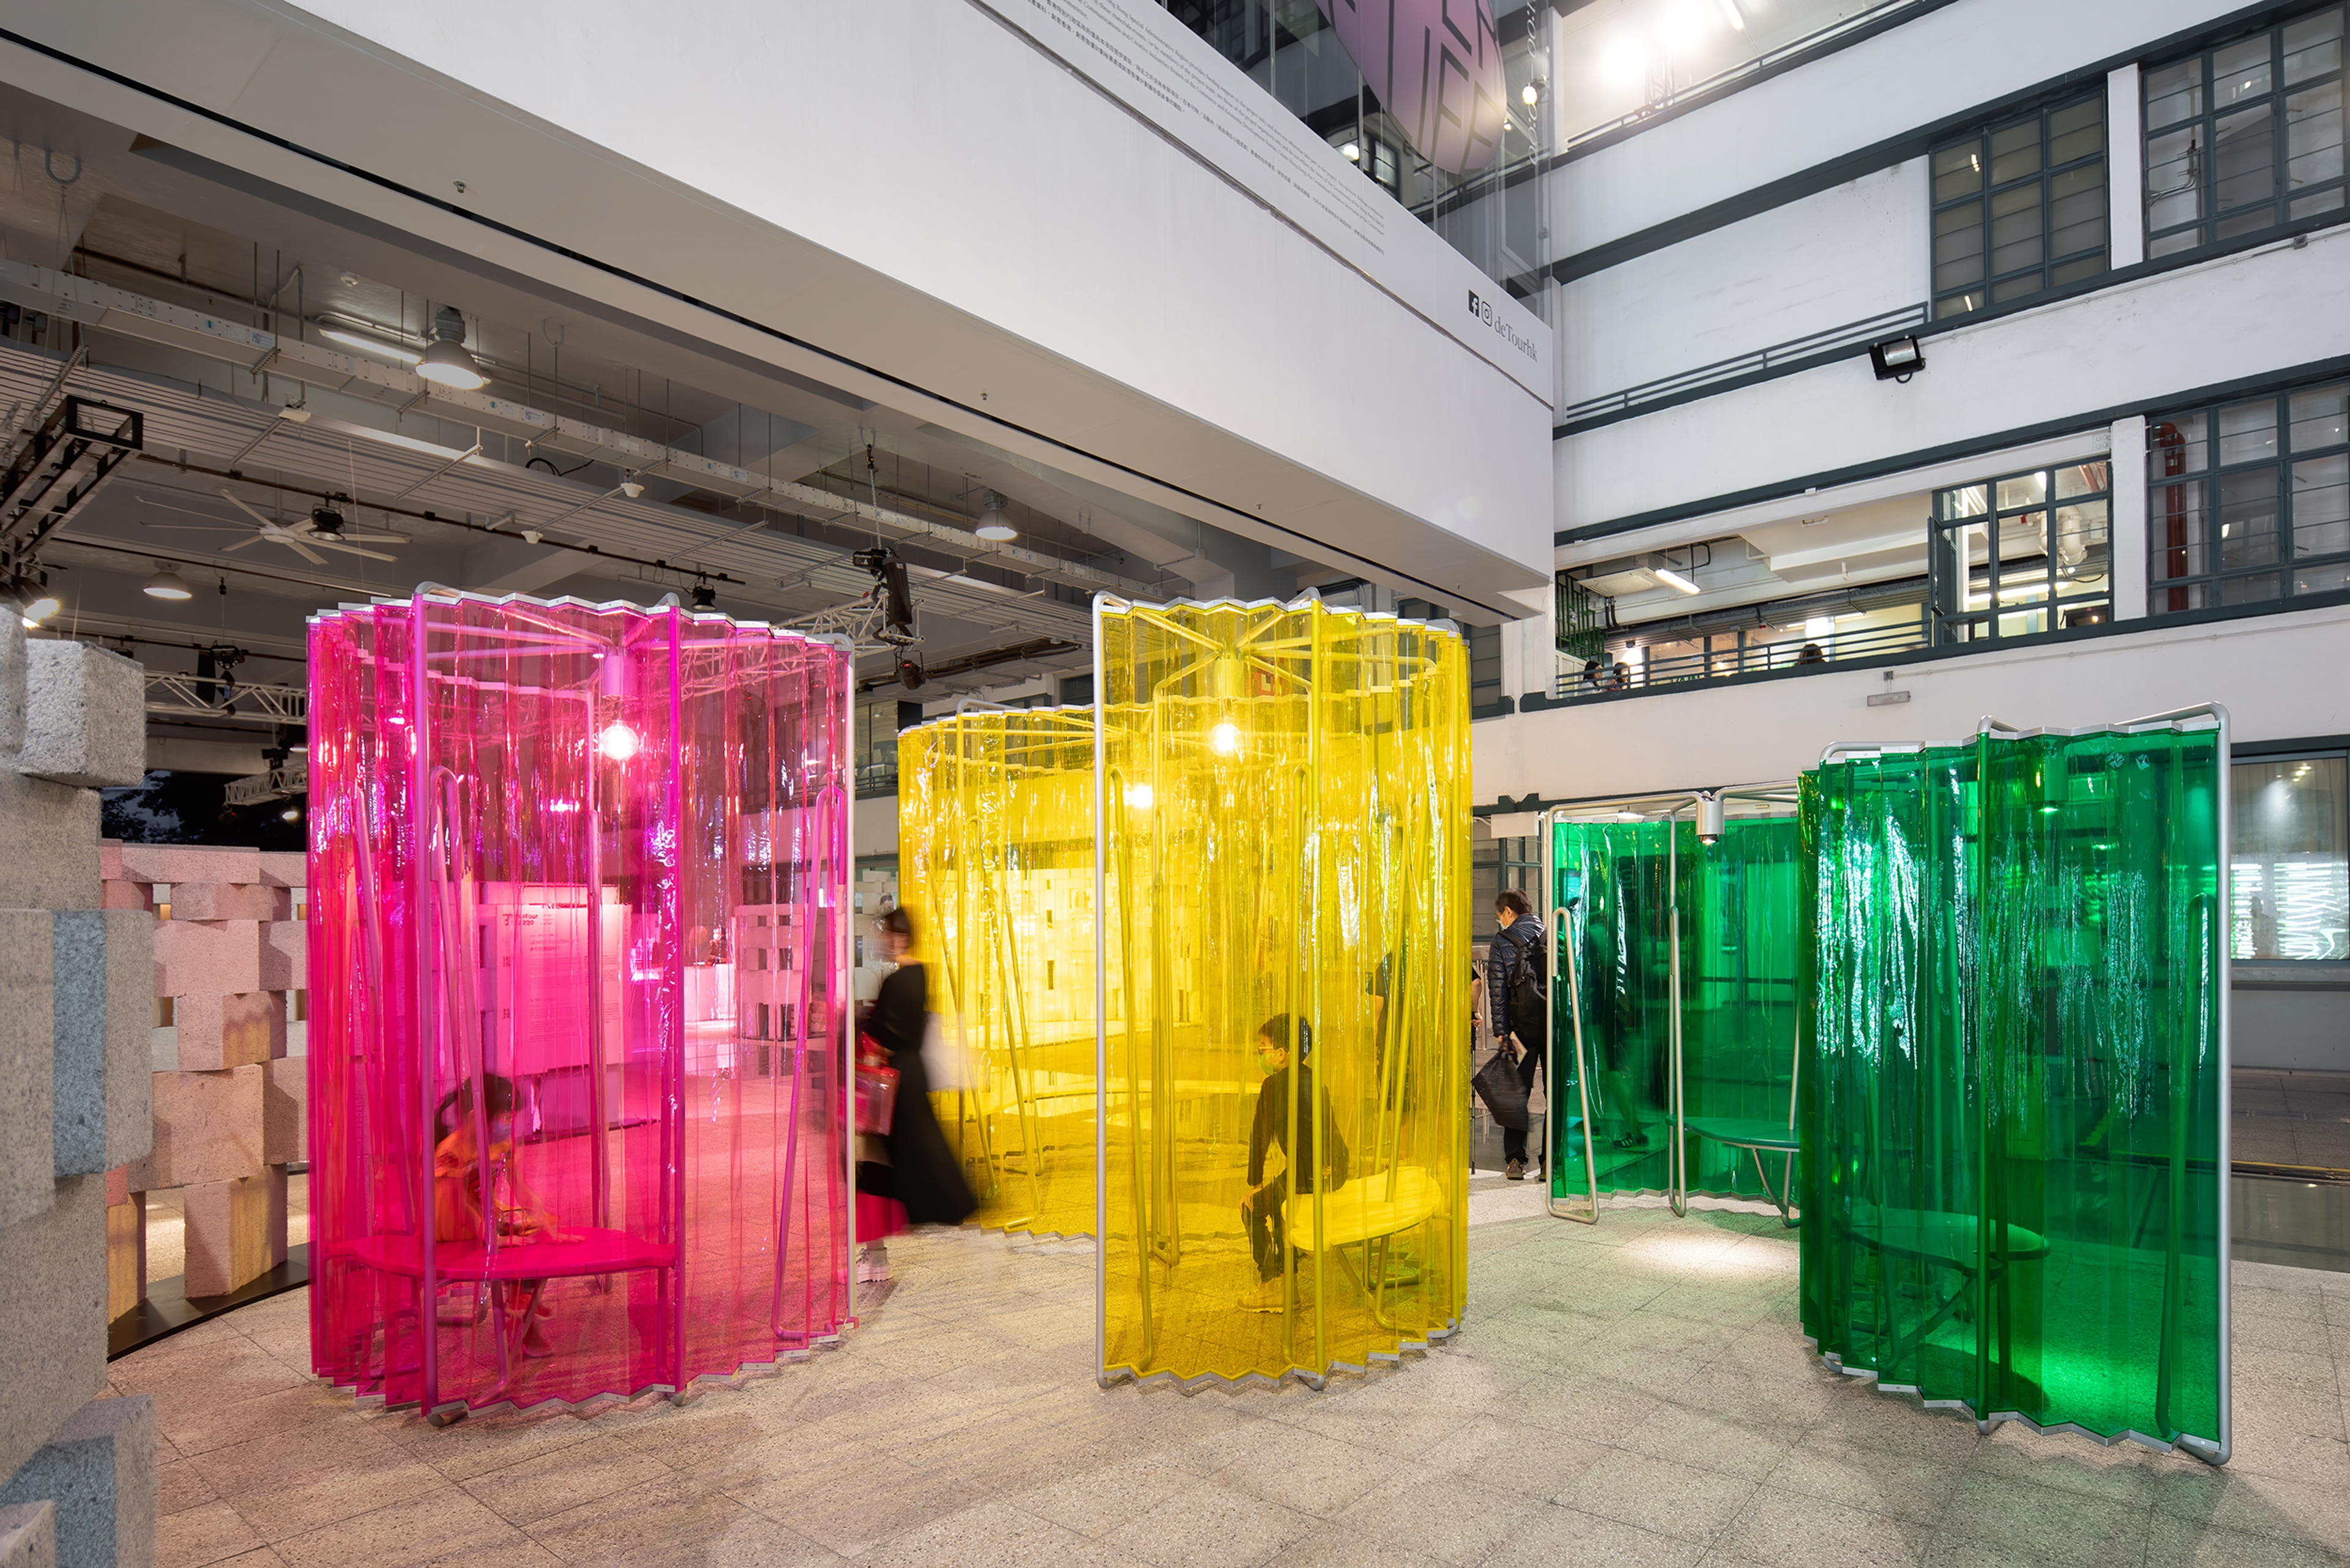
[995,844]
[1619,892]
[2013,1086]
[1286,835]
[577,973]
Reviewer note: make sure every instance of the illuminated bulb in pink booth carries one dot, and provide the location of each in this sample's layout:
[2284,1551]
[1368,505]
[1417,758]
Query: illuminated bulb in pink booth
[617,742]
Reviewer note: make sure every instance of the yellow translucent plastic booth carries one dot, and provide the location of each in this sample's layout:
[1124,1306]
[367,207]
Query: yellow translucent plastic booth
[1285,819]
[995,829]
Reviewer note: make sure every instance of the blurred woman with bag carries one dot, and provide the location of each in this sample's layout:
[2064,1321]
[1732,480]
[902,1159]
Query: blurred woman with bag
[911,1168]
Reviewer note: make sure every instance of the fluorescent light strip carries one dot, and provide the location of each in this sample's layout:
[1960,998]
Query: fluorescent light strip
[1668,576]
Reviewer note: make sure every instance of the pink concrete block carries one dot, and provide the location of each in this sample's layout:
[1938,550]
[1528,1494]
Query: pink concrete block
[110,860]
[285,956]
[220,958]
[285,868]
[118,895]
[207,1128]
[118,1186]
[229,901]
[217,1032]
[179,863]
[229,1233]
[285,1122]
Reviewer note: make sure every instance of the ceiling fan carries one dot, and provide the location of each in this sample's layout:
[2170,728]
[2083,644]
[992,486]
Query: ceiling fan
[323,528]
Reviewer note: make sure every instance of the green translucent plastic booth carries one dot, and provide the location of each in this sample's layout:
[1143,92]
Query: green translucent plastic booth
[1676,927]
[2013,1096]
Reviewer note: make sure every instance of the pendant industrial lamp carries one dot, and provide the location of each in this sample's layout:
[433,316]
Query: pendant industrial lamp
[447,362]
[167,584]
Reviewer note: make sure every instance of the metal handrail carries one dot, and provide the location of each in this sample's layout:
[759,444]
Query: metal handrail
[1700,667]
[1852,334]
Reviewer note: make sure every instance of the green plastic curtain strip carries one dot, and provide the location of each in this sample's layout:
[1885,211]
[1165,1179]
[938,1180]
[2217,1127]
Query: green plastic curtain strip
[1676,968]
[2013,1096]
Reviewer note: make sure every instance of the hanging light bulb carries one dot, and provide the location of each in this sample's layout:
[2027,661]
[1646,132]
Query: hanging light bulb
[1139,796]
[993,525]
[617,742]
[167,584]
[447,362]
[1225,738]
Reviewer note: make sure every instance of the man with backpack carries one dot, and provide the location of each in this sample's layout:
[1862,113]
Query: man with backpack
[1518,979]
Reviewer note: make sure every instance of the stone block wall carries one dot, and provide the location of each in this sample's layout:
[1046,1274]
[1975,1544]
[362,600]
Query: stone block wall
[77,1467]
[227,955]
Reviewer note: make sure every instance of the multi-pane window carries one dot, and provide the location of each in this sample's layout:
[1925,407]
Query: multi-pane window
[2290,873]
[2028,552]
[2249,501]
[2245,137]
[2020,207]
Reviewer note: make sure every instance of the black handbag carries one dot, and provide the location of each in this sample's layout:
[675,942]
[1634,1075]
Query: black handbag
[1504,1093]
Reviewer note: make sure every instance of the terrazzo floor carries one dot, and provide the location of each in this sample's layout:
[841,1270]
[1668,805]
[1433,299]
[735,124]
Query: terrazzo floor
[1633,1394]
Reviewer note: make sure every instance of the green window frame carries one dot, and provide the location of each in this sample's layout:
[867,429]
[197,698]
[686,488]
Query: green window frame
[2249,501]
[2214,125]
[2022,554]
[2020,207]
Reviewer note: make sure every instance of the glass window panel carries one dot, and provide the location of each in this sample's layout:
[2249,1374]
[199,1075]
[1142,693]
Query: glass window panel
[2177,445]
[2173,165]
[2174,93]
[2252,221]
[2082,535]
[2065,148]
[2318,418]
[2023,489]
[2240,72]
[2088,114]
[2245,160]
[2016,289]
[2312,120]
[2082,479]
[2310,206]
[2022,539]
[2321,506]
[2171,244]
[2015,151]
[2322,579]
[2248,432]
[1965,500]
[1958,172]
[1958,246]
[2313,45]
[2015,231]
[2074,271]
[1957,305]
[2290,858]
[2248,519]
[2175,531]
[2249,590]
[2080,220]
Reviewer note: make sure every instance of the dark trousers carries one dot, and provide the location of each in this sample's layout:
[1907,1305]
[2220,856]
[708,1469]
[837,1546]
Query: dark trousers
[1513,1140]
[1267,1231]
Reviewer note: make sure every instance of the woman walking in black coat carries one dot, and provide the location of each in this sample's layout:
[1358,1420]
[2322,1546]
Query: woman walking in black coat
[921,1173]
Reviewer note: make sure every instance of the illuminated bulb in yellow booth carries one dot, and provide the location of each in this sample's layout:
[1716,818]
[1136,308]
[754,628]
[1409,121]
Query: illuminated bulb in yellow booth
[617,742]
[1139,796]
[1225,738]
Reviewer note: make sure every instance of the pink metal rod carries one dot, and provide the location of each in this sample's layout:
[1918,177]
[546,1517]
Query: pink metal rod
[578,984]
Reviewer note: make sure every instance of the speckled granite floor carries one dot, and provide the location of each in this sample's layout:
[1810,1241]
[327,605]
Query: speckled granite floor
[1636,1393]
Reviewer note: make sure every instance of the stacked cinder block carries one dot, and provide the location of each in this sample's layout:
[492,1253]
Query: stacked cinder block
[77,1467]
[229,1120]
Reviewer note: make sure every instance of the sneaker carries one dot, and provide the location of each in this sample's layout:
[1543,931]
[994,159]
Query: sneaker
[1515,1170]
[1266,1297]
[873,1267]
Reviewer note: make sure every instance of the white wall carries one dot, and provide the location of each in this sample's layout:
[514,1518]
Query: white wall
[1858,250]
[1943,64]
[2129,346]
[906,183]
[1775,730]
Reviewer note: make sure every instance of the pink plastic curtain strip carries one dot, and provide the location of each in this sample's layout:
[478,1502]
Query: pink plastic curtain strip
[579,998]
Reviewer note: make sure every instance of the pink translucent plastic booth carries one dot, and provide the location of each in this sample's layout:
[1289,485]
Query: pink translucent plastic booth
[577,877]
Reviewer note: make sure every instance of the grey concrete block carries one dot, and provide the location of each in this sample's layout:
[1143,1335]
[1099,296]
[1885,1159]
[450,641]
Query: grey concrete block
[12,685]
[100,1472]
[105,1010]
[48,844]
[84,715]
[27,1065]
[52,1320]
[28,1536]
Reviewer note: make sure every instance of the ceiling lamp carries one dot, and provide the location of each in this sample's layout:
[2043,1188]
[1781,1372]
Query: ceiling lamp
[40,607]
[993,525]
[1733,15]
[704,596]
[1709,817]
[446,361]
[1673,579]
[167,584]
[617,742]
